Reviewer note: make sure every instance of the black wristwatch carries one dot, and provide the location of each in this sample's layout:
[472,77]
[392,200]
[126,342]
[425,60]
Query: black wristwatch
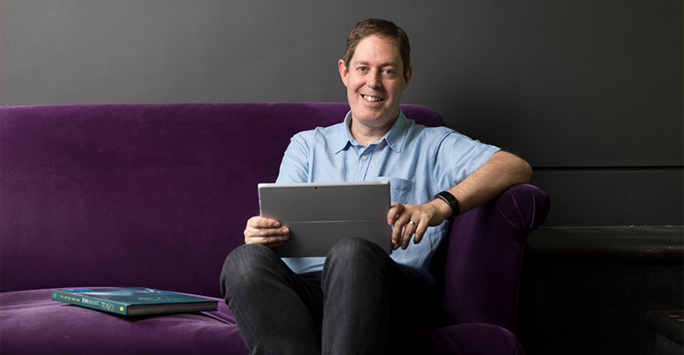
[451,201]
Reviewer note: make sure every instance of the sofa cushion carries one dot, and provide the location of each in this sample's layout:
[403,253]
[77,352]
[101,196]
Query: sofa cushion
[31,323]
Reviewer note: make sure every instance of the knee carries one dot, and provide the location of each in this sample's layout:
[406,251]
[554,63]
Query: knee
[356,246]
[353,251]
[356,264]
[243,265]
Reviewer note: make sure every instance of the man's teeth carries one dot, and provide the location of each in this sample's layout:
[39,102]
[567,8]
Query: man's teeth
[372,99]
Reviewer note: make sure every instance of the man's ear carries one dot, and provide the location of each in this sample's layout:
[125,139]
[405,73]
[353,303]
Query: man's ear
[407,76]
[343,71]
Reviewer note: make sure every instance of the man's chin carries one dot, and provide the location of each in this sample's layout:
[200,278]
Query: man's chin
[373,118]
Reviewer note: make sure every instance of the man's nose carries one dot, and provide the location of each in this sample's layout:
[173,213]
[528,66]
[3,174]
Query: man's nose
[374,79]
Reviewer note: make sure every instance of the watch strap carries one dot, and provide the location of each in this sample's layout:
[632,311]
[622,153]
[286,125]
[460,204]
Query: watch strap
[451,201]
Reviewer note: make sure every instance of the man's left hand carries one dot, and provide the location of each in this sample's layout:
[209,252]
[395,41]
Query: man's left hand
[413,221]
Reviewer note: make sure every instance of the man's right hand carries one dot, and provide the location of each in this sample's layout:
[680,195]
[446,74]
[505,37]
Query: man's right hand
[266,231]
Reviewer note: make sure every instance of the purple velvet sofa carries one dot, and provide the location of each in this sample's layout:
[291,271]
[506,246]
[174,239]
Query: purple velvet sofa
[158,195]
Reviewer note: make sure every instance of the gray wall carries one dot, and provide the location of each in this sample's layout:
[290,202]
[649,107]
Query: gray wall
[589,92]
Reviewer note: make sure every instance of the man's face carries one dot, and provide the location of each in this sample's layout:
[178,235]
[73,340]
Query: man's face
[375,81]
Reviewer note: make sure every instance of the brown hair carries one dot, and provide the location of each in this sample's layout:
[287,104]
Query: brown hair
[382,28]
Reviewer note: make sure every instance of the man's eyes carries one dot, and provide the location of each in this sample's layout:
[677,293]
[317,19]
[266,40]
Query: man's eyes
[388,72]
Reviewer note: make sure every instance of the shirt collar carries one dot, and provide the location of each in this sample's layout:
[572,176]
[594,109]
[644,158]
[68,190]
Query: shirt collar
[394,138]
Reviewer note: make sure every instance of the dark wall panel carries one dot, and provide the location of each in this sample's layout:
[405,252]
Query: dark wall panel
[613,197]
[570,84]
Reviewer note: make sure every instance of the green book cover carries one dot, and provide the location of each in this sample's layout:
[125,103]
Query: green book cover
[133,301]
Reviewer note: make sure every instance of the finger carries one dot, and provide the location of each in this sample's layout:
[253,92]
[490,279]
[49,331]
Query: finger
[274,241]
[395,211]
[397,233]
[421,228]
[271,232]
[409,230]
[395,240]
[401,217]
[268,240]
[265,235]
[263,222]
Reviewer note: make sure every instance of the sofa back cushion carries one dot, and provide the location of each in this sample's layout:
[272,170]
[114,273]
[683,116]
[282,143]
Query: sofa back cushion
[139,195]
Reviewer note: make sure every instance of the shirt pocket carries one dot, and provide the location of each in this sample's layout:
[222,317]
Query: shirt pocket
[401,189]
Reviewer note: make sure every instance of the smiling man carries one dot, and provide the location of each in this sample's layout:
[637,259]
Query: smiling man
[348,301]
[375,78]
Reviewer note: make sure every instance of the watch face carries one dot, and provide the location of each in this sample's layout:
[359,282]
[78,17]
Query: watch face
[448,196]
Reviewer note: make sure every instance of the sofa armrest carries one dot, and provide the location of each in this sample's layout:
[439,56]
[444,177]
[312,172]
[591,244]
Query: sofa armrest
[484,255]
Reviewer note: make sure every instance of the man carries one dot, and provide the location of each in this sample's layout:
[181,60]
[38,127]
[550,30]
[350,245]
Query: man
[347,302]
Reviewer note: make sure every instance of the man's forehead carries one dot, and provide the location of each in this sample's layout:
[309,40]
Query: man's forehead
[364,52]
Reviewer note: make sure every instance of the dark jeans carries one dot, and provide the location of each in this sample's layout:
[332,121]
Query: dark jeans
[349,308]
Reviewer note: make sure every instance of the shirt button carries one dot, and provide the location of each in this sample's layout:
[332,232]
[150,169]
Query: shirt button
[364,157]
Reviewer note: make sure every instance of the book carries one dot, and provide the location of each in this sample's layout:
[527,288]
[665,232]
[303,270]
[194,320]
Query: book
[133,301]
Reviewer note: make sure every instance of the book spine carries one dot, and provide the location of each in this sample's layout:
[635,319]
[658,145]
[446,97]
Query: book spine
[90,302]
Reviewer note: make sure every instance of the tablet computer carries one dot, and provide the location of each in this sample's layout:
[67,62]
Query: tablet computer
[320,214]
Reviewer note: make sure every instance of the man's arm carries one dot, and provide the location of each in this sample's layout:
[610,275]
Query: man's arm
[500,172]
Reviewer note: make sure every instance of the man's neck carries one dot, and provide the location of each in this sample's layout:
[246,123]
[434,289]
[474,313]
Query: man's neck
[367,135]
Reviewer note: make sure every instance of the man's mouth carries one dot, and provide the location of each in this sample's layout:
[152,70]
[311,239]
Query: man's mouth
[372,98]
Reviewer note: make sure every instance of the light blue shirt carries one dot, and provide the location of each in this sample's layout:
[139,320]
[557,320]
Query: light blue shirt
[418,161]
